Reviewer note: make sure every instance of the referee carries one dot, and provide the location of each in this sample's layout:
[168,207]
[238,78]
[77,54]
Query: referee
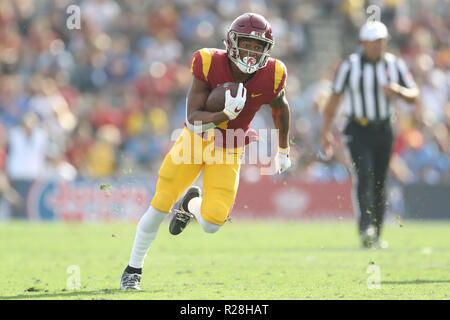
[372,79]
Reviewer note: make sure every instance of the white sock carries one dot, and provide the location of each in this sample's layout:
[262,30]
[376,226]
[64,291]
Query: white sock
[147,229]
[194,206]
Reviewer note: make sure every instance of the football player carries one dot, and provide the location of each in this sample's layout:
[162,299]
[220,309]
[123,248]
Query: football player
[262,80]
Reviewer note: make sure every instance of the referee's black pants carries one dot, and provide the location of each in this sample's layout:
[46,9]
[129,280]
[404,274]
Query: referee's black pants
[370,148]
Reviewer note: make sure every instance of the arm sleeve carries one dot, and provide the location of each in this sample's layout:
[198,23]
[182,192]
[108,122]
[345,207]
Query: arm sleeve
[200,65]
[280,77]
[341,77]
[405,78]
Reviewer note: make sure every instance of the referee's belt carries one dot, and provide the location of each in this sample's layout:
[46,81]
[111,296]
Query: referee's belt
[364,122]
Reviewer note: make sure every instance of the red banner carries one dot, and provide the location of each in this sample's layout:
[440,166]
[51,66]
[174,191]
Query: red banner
[275,197]
[259,197]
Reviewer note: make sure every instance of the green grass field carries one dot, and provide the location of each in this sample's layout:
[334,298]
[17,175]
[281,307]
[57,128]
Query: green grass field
[243,261]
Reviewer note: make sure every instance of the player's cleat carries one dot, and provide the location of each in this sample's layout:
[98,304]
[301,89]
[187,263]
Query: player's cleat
[182,215]
[367,241]
[369,237]
[179,221]
[130,281]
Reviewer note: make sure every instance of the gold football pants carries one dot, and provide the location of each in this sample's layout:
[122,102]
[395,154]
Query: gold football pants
[183,164]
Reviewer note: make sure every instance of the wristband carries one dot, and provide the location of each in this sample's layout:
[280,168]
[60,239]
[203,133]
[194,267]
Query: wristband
[284,151]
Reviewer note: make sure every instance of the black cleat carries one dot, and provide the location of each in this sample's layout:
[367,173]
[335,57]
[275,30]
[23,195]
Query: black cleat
[369,238]
[182,215]
[130,281]
[367,242]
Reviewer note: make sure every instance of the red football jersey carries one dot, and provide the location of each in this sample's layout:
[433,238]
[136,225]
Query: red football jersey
[212,66]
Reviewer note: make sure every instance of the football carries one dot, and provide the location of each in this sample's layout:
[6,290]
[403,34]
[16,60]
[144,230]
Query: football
[216,98]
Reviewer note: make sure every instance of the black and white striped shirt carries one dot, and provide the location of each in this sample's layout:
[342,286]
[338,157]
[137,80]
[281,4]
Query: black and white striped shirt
[364,81]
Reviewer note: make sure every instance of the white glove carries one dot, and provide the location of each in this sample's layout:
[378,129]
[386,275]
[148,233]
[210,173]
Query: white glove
[234,106]
[282,160]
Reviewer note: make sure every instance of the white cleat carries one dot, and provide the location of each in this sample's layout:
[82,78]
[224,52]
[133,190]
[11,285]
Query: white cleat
[130,281]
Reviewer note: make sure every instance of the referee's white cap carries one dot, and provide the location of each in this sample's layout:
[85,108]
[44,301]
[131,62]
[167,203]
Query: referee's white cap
[373,30]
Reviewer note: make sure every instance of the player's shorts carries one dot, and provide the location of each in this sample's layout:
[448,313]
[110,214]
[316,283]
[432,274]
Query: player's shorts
[184,163]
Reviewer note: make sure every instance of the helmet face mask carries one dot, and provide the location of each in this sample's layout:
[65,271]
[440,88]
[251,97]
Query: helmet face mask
[249,26]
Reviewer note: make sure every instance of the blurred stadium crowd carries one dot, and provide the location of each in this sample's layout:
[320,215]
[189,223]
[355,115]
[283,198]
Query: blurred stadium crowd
[104,100]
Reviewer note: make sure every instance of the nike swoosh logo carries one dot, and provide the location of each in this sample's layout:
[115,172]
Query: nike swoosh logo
[256,95]
[237,110]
